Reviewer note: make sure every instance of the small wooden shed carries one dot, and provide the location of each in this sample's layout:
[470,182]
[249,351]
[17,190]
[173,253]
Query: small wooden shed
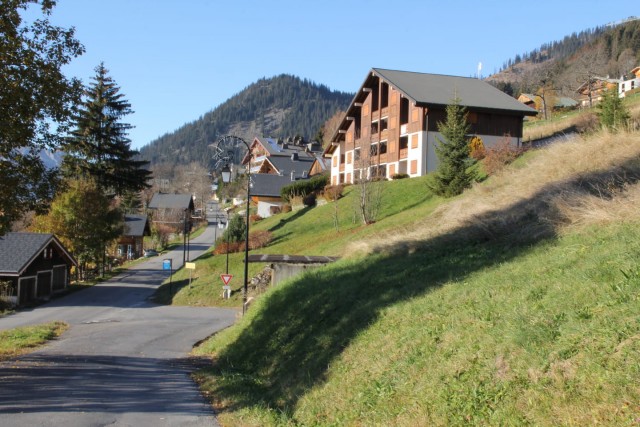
[33,267]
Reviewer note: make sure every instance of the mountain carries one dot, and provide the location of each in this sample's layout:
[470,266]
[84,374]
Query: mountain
[278,107]
[610,50]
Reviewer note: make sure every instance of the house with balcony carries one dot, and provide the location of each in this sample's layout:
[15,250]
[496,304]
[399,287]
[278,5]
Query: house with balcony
[632,83]
[590,92]
[275,163]
[391,125]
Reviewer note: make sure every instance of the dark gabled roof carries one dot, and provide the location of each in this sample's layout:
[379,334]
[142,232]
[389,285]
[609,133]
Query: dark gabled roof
[286,149]
[171,201]
[18,250]
[440,90]
[268,185]
[136,226]
[285,165]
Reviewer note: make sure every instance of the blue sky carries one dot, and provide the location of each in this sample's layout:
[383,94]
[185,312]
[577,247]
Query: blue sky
[176,60]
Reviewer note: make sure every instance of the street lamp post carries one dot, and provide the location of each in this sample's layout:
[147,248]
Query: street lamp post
[226,177]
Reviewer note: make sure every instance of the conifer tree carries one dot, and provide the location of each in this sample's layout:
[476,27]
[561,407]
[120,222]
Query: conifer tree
[611,111]
[453,175]
[99,146]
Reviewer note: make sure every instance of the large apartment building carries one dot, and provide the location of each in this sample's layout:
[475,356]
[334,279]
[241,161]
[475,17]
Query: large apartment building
[391,125]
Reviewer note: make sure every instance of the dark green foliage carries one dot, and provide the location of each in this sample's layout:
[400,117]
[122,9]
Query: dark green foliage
[306,107]
[400,176]
[304,187]
[612,112]
[99,146]
[236,231]
[453,175]
[35,105]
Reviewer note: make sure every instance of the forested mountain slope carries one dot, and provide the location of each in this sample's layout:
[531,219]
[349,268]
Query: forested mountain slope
[610,50]
[279,107]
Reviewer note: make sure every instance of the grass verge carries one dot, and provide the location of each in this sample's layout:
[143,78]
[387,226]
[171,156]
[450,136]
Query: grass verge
[18,341]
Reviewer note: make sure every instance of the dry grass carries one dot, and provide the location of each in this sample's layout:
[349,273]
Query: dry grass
[583,181]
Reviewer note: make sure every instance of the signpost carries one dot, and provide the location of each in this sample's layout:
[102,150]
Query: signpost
[190,266]
[226,289]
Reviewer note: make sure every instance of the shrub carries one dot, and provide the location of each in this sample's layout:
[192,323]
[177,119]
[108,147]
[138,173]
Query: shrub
[476,148]
[259,239]
[303,187]
[587,123]
[500,155]
[400,176]
[309,199]
[232,247]
[333,192]
[286,208]
[255,218]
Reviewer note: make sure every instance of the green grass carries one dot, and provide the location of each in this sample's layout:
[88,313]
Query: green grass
[309,231]
[532,324]
[546,333]
[18,341]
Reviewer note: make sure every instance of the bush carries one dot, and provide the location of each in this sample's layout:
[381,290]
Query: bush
[286,208]
[255,218]
[333,192]
[476,148]
[309,200]
[259,239]
[500,155]
[400,176]
[587,123]
[304,187]
[236,230]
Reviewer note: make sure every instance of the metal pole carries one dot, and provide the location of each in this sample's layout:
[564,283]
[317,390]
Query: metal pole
[227,230]
[246,240]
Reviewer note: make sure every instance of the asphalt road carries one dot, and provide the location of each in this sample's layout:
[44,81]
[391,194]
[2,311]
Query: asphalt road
[123,361]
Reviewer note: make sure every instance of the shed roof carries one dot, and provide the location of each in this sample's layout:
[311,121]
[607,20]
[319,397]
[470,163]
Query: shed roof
[136,225]
[171,201]
[18,250]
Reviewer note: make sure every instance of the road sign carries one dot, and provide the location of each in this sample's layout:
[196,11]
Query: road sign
[226,278]
[226,288]
[190,265]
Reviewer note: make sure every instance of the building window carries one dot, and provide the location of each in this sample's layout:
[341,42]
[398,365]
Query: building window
[341,159]
[373,149]
[356,154]
[378,171]
[374,127]
[404,142]
[383,147]
[384,101]
[404,110]
[383,124]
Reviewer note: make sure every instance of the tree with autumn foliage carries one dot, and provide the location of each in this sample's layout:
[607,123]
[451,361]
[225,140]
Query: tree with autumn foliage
[36,102]
[84,219]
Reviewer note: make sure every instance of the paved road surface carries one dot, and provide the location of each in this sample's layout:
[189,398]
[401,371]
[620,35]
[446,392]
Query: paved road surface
[123,362]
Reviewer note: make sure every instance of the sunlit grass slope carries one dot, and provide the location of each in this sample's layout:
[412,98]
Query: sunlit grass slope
[515,304]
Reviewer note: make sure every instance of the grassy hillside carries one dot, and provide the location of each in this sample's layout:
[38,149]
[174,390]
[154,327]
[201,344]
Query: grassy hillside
[514,304]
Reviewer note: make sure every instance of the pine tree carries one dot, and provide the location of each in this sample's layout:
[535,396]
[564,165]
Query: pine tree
[99,146]
[611,111]
[453,175]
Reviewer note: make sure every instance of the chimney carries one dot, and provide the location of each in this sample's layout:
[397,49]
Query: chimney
[294,157]
[293,176]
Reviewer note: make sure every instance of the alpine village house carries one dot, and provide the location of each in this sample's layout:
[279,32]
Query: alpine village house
[391,126]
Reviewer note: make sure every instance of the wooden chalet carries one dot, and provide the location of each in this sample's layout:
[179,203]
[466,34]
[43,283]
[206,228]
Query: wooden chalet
[391,125]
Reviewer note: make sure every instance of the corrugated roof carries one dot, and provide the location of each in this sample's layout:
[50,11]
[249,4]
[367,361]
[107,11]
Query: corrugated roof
[18,250]
[438,89]
[171,201]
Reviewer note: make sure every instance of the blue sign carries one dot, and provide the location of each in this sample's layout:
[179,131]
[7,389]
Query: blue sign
[166,264]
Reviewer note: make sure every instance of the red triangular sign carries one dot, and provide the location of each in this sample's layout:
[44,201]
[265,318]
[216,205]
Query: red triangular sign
[226,278]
